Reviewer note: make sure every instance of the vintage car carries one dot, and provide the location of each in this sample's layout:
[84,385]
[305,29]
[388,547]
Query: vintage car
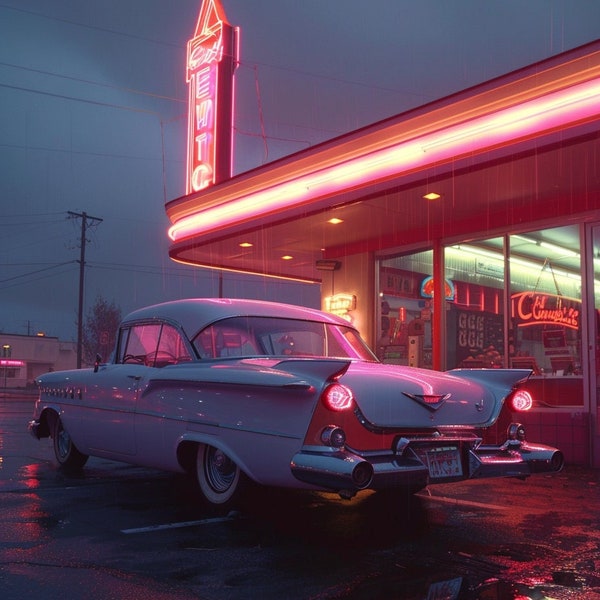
[241,390]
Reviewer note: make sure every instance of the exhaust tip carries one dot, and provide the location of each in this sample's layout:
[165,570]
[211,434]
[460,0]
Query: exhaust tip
[548,463]
[557,461]
[362,474]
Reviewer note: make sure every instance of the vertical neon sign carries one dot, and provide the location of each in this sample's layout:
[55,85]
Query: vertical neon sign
[211,61]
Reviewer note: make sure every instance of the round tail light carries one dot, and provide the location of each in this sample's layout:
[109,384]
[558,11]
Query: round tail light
[521,401]
[338,397]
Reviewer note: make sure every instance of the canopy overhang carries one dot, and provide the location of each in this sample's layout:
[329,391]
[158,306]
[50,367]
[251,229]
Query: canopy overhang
[520,148]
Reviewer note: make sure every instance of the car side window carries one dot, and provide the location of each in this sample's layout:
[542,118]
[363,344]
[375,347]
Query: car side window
[171,348]
[153,345]
[141,341]
[122,343]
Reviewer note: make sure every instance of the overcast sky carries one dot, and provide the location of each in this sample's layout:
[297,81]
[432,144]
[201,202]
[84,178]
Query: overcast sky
[93,110]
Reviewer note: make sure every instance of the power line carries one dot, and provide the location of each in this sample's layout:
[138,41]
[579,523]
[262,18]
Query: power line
[19,215]
[49,268]
[81,152]
[92,27]
[75,99]
[94,83]
[243,63]
[190,272]
[295,71]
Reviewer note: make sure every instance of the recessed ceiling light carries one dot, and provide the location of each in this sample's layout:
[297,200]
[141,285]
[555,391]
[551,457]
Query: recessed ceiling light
[246,245]
[287,257]
[432,196]
[335,221]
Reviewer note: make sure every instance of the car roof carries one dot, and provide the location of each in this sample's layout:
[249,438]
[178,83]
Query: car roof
[194,314]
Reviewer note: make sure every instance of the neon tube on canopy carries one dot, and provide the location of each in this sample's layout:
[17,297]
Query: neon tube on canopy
[545,113]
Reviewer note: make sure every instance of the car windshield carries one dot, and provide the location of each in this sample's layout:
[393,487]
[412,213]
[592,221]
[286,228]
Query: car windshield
[269,336]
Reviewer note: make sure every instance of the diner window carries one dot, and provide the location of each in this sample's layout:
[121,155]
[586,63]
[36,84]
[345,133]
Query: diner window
[595,318]
[546,312]
[474,273]
[405,310]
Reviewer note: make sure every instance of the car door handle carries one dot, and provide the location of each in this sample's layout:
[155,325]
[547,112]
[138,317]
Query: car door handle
[136,377]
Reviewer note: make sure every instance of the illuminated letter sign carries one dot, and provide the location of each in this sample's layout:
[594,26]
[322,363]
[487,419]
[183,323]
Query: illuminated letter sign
[532,308]
[211,60]
[341,305]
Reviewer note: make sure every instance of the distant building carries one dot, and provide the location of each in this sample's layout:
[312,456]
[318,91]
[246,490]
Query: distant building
[25,357]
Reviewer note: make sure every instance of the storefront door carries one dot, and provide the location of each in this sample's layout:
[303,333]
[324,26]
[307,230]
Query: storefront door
[594,344]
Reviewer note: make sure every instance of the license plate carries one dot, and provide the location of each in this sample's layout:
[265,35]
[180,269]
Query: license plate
[444,462]
[445,590]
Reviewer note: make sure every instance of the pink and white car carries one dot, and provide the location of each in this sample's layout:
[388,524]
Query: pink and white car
[237,390]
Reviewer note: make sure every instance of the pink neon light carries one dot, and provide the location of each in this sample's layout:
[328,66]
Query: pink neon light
[9,362]
[205,51]
[532,308]
[542,114]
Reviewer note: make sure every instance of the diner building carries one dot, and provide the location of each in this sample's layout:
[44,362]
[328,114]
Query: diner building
[464,233]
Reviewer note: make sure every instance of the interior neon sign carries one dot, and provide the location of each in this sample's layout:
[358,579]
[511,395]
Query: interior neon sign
[210,59]
[531,308]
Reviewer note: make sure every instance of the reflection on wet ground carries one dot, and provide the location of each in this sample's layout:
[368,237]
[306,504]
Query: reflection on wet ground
[116,525]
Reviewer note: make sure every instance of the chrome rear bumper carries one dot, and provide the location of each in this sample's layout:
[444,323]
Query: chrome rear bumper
[345,471]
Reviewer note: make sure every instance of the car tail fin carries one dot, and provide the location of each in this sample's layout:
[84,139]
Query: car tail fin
[325,368]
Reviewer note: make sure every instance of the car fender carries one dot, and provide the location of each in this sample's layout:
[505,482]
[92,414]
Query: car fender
[46,414]
[265,465]
[193,438]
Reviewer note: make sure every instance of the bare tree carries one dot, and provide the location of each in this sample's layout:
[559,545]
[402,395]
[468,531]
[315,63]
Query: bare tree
[100,329]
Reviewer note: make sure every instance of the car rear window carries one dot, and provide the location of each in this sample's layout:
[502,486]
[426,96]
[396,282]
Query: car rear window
[267,336]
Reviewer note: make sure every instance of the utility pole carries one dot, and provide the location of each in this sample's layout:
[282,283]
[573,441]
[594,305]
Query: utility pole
[84,225]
